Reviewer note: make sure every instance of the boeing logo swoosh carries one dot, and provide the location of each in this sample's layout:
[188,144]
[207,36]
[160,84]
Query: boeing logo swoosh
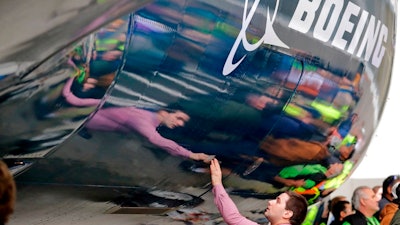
[269,36]
[349,29]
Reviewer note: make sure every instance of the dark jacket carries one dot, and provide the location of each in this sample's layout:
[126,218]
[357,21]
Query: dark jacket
[357,219]
[396,218]
[336,222]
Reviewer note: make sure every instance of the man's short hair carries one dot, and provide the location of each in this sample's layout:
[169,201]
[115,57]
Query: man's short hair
[298,205]
[338,208]
[358,194]
[335,200]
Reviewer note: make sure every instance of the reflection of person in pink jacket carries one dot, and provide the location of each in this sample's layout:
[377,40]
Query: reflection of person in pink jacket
[132,119]
[144,122]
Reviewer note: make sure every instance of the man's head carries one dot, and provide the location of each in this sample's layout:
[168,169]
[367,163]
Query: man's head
[341,209]
[335,200]
[387,186]
[365,200]
[346,152]
[173,119]
[354,117]
[7,193]
[288,207]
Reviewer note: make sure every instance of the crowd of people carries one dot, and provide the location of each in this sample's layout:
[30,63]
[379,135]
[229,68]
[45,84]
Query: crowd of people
[368,205]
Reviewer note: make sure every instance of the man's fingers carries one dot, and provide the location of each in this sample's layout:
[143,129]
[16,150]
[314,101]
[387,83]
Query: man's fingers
[215,164]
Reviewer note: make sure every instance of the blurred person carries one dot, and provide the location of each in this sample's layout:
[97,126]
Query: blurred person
[396,218]
[7,193]
[306,175]
[388,211]
[345,126]
[396,195]
[378,191]
[102,61]
[93,63]
[326,216]
[340,210]
[387,191]
[366,205]
[242,118]
[287,208]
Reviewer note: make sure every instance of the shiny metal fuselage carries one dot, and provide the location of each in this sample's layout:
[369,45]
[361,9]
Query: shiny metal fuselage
[318,62]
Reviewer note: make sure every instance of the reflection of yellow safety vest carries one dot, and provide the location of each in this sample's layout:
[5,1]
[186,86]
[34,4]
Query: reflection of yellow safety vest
[311,214]
[294,110]
[332,183]
[110,43]
[349,140]
[311,193]
[329,113]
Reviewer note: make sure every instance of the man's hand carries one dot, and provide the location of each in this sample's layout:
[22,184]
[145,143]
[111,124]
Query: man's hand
[89,84]
[216,174]
[111,55]
[334,170]
[201,156]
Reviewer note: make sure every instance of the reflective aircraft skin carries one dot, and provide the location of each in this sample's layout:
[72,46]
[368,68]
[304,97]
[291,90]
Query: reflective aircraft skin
[141,94]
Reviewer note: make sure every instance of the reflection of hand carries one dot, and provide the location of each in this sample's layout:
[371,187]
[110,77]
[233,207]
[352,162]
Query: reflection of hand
[201,157]
[89,84]
[216,174]
[325,212]
[334,170]
[290,182]
[297,183]
[111,55]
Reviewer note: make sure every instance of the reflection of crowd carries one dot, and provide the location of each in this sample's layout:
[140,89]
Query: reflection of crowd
[97,60]
[296,139]
[96,63]
[283,145]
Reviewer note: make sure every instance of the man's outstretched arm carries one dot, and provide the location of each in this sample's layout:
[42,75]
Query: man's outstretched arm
[224,203]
